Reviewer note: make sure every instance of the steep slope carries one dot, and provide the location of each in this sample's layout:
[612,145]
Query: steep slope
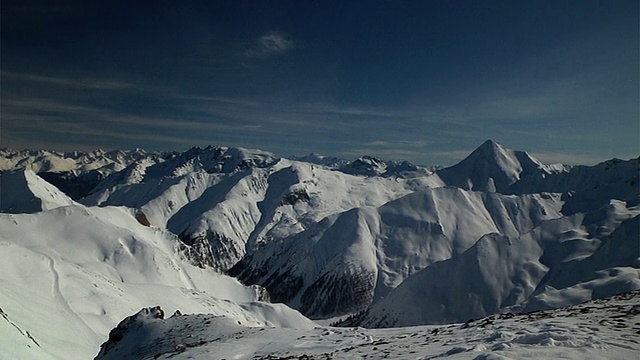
[23,191]
[18,343]
[558,263]
[349,260]
[326,269]
[69,274]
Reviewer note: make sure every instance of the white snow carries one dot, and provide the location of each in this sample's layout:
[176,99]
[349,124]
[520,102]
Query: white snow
[76,161]
[498,232]
[558,263]
[602,329]
[23,191]
[71,273]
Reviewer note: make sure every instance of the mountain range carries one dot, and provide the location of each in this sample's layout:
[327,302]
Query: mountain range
[89,238]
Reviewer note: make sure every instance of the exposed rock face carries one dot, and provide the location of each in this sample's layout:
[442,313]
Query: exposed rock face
[118,333]
[213,249]
[142,218]
[295,197]
[339,294]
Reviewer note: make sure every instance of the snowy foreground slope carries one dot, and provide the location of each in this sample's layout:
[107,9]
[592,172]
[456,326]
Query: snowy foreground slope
[601,329]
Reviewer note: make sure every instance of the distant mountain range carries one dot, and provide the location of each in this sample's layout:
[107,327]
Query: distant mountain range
[373,243]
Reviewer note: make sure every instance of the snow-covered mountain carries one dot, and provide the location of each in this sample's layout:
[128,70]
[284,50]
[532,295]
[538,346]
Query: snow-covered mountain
[78,162]
[76,173]
[389,243]
[494,168]
[225,201]
[23,191]
[559,262]
[69,273]
[348,260]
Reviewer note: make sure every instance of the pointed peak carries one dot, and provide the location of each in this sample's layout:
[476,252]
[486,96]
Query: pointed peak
[491,145]
[491,167]
[491,152]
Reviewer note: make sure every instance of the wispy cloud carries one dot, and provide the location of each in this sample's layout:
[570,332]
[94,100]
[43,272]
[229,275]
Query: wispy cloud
[237,101]
[99,84]
[332,109]
[401,143]
[275,42]
[269,44]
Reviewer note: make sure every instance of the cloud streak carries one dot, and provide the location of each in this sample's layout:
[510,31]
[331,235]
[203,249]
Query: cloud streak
[88,83]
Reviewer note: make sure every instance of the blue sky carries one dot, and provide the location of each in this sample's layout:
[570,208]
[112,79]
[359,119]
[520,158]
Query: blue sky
[424,81]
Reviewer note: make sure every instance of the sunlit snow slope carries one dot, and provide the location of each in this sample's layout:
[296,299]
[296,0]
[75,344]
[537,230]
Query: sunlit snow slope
[69,274]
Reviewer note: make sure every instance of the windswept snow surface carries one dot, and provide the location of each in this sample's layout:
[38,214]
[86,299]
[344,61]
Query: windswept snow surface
[600,329]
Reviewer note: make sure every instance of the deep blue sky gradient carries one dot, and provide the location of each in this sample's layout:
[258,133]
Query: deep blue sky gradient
[425,81]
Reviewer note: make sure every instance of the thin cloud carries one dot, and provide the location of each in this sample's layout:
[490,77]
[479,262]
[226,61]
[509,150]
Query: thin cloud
[270,44]
[99,84]
[331,109]
[401,143]
[275,42]
[245,102]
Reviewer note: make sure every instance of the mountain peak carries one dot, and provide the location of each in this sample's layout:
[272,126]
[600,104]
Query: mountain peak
[490,143]
[491,148]
[491,167]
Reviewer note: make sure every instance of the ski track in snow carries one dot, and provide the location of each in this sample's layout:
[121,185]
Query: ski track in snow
[60,298]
